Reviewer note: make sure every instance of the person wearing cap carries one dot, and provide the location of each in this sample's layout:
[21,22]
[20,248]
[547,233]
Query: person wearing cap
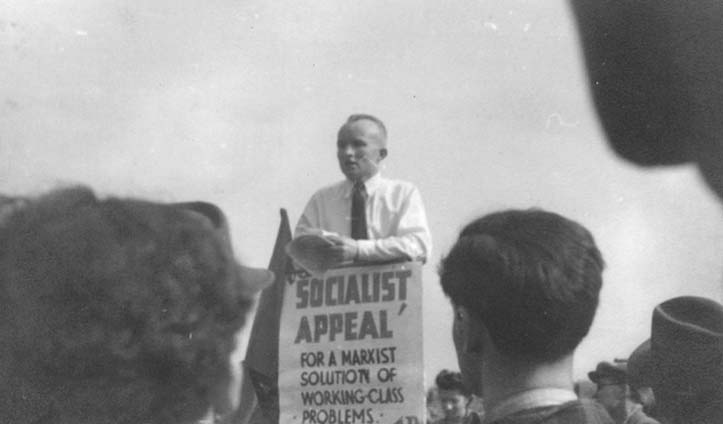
[118,310]
[683,360]
[613,393]
[454,399]
[366,217]
[524,285]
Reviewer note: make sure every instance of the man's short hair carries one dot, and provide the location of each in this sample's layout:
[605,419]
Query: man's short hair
[451,380]
[114,310]
[532,277]
[363,116]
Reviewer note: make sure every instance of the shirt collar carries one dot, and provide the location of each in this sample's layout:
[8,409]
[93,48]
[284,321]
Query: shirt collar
[529,399]
[370,185]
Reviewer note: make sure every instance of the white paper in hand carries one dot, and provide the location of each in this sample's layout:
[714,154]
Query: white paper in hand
[309,252]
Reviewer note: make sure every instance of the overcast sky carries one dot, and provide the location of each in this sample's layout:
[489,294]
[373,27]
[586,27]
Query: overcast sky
[238,102]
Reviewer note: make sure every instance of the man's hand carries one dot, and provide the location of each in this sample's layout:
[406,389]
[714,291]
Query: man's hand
[343,250]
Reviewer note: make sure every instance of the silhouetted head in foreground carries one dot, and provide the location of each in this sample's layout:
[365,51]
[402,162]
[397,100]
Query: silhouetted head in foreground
[116,310]
[656,76]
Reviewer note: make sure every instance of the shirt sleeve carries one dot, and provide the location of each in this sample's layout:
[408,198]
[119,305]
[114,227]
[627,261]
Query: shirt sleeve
[309,220]
[412,239]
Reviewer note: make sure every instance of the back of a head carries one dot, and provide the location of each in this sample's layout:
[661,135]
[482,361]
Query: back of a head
[113,311]
[532,278]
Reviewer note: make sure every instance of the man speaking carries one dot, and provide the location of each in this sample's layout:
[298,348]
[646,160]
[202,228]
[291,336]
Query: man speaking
[366,218]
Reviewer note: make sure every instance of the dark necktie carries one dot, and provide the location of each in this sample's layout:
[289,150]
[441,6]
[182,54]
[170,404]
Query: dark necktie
[358,216]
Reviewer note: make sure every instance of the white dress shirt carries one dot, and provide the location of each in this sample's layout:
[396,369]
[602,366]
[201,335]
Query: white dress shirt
[396,221]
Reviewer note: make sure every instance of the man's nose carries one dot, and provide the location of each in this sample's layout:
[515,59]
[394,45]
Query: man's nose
[346,150]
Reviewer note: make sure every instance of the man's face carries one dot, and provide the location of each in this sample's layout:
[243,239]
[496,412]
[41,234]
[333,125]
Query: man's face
[470,363]
[360,148]
[454,405]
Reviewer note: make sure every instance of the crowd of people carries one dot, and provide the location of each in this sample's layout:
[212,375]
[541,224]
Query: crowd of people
[127,311]
[678,378]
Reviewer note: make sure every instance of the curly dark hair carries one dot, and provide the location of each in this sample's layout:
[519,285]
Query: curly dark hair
[451,380]
[113,311]
[532,277]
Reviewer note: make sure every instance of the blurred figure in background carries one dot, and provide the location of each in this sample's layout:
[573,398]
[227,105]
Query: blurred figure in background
[117,310]
[454,399]
[610,380]
[614,394]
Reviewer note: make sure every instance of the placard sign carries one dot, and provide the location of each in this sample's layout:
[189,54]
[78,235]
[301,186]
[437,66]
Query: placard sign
[350,348]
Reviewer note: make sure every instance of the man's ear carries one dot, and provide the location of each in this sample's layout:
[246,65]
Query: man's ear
[469,343]
[383,153]
[476,337]
[473,333]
